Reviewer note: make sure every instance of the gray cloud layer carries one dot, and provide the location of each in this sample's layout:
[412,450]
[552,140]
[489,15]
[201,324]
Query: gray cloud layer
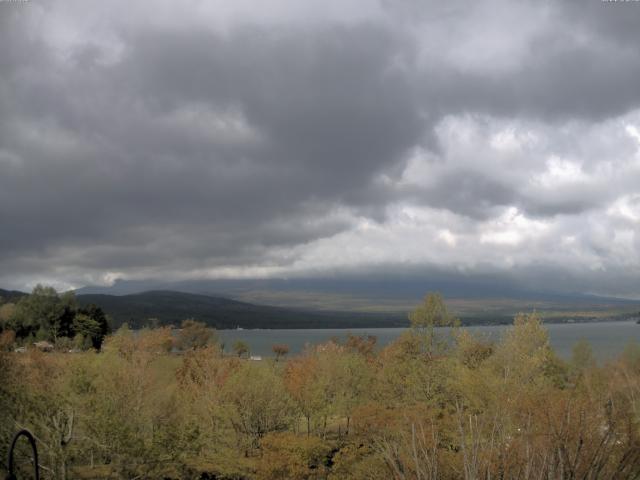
[210,141]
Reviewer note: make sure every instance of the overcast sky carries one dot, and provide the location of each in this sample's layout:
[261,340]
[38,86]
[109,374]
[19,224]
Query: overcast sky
[242,139]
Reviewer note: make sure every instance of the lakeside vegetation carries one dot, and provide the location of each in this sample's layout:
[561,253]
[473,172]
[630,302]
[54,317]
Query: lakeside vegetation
[424,407]
[48,316]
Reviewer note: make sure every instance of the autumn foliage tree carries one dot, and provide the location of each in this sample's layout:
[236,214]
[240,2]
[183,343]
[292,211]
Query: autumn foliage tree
[194,335]
[280,350]
[241,348]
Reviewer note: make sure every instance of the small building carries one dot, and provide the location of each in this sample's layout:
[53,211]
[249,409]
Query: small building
[44,346]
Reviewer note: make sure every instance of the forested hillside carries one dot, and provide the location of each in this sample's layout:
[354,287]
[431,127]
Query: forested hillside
[170,308]
[10,295]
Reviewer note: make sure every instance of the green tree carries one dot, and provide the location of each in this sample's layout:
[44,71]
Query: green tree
[37,312]
[44,315]
[432,313]
[257,402]
[87,327]
[99,318]
[132,419]
[524,356]
[352,376]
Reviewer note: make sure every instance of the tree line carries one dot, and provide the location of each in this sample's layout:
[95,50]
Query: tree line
[434,404]
[46,315]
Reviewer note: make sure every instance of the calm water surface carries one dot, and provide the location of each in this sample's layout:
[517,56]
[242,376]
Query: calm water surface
[607,339]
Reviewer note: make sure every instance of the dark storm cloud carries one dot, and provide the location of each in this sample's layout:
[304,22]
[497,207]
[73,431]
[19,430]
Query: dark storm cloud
[162,148]
[328,103]
[559,81]
[115,153]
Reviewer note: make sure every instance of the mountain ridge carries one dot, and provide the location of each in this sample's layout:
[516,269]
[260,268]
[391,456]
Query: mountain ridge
[321,310]
[171,308]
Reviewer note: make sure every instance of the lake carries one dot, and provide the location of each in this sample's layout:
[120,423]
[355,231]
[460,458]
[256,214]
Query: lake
[607,339]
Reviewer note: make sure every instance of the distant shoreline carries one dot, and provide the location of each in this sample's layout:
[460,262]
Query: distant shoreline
[634,319]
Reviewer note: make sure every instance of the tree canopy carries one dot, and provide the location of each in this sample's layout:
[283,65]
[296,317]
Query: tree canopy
[480,408]
[48,315]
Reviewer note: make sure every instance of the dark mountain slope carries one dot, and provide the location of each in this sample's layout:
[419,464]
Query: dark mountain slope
[170,307]
[10,295]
